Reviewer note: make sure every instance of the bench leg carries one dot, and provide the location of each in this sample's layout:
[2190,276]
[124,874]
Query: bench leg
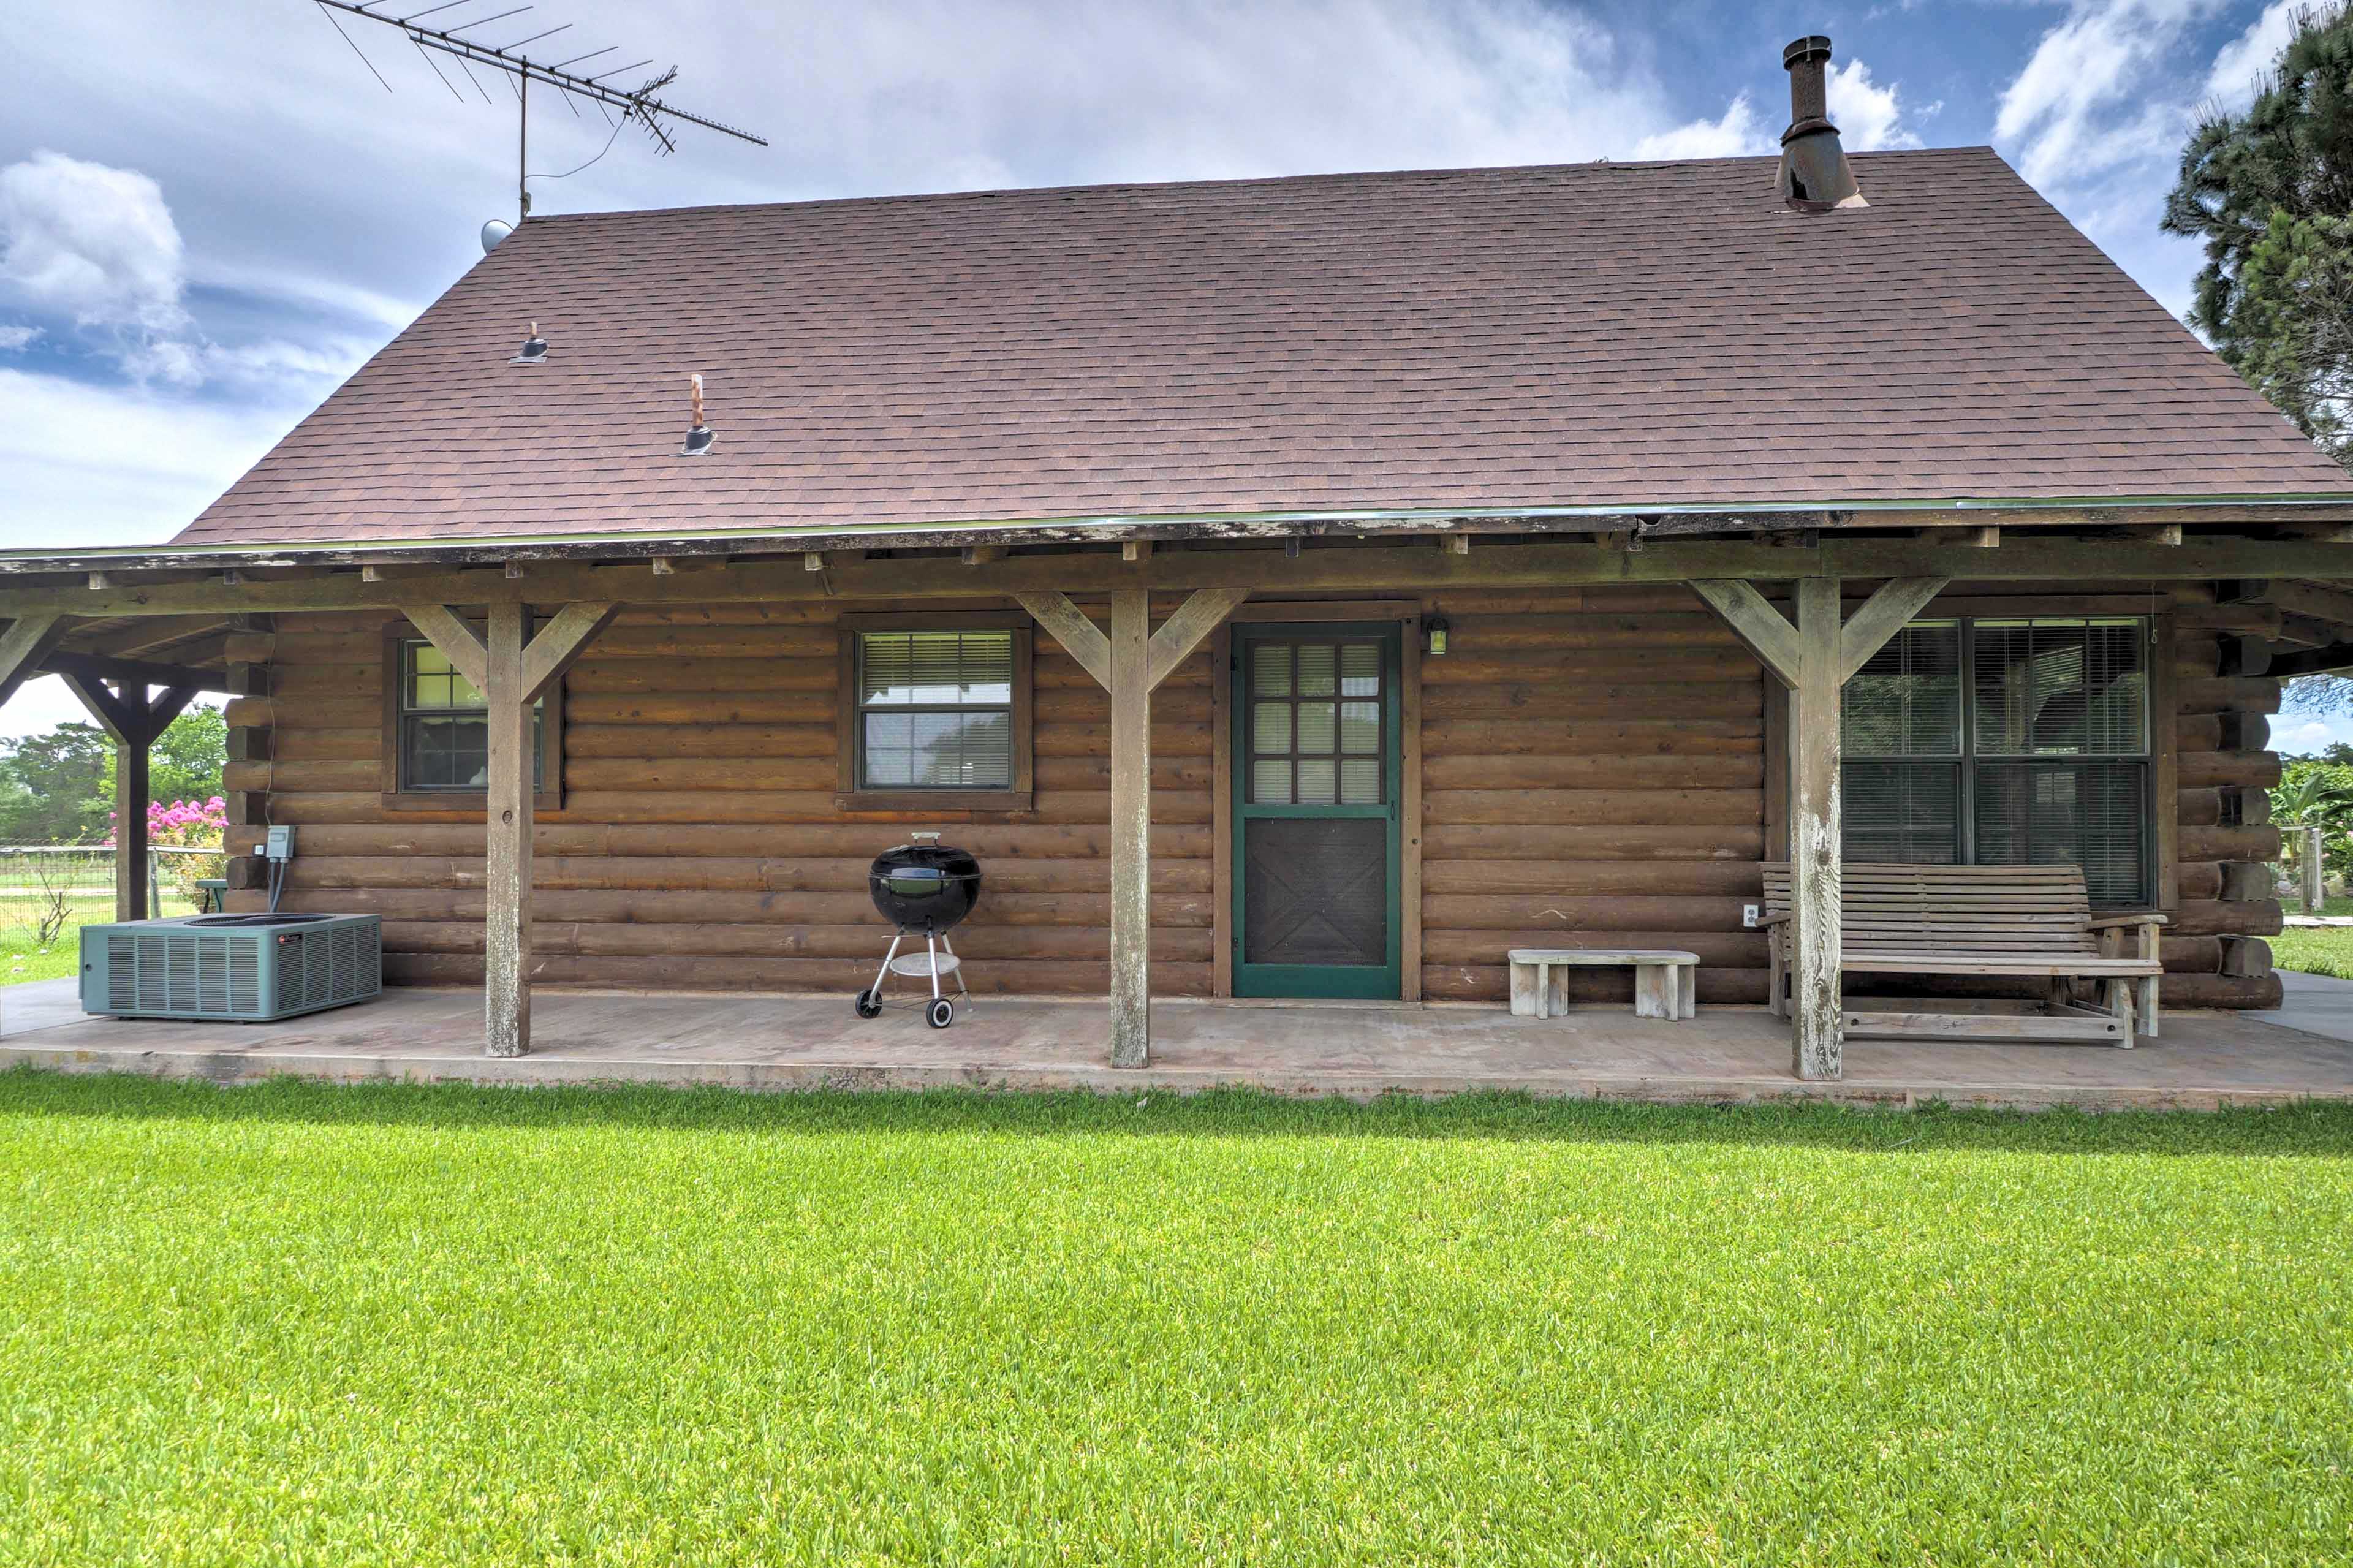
[2148,988]
[1555,990]
[1777,984]
[1527,990]
[2120,1003]
[1654,993]
[1686,990]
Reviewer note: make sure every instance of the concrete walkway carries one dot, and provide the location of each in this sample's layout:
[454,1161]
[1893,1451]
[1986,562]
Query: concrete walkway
[2204,1060]
[2316,1004]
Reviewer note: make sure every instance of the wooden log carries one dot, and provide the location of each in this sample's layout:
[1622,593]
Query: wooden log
[1716,949]
[2241,957]
[1072,808]
[407,836]
[865,943]
[2227,917]
[1615,737]
[2240,693]
[2229,770]
[1816,998]
[1624,700]
[1584,987]
[2230,843]
[688,873]
[1561,916]
[1740,808]
[689,905]
[1489,841]
[1447,765]
[1592,879]
[841,977]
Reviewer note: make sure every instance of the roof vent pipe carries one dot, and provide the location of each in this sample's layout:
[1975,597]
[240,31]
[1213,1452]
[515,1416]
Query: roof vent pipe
[698,436]
[1814,176]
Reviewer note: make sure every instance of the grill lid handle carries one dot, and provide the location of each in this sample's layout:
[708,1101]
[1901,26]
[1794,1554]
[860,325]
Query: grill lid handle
[924,838]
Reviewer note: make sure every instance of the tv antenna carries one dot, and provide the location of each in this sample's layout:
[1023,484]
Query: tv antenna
[638,104]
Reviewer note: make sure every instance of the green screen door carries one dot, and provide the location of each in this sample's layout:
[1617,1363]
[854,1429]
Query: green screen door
[1316,774]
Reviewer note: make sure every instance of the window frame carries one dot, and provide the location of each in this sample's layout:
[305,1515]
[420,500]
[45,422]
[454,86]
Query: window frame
[2157,760]
[393,791]
[850,796]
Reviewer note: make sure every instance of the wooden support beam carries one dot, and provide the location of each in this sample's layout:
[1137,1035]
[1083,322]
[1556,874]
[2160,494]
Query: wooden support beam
[506,882]
[1341,570]
[813,561]
[458,642]
[136,672]
[2165,534]
[664,566]
[131,720]
[1079,637]
[1879,617]
[1454,543]
[559,644]
[1763,629]
[1181,633]
[2327,661]
[1129,663]
[513,571]
[982,554]
[1132,549]
[23,647]
[1815,849]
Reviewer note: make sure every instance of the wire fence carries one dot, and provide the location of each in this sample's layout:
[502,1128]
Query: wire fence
[49,891]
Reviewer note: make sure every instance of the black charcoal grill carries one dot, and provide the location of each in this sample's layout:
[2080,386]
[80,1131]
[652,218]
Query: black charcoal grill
[924,889]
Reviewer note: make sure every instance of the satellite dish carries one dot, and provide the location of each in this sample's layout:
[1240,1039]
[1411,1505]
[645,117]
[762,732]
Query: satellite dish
[494,232]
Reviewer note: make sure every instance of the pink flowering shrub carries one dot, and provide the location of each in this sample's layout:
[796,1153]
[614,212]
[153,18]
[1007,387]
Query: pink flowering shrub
[184,825]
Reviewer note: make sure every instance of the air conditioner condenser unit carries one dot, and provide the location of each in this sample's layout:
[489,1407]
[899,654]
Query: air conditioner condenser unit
[246,968]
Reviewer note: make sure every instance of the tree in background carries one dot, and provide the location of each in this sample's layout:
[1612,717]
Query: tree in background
[54,788]
[59,788]
[2317,791]
[2270,190]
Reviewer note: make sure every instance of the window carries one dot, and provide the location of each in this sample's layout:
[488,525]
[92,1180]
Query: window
[935,713]
[437,733]
[2010,743]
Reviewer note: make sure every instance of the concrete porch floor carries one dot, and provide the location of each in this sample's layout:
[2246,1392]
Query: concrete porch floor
[762,1042]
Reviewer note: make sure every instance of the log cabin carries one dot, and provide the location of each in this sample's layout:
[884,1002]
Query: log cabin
[1310,588]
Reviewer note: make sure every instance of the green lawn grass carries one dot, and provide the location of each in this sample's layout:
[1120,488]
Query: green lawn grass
[297,1324]
[22,956]
[2315,949]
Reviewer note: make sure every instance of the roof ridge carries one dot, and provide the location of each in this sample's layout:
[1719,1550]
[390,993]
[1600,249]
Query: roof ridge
[1335,177]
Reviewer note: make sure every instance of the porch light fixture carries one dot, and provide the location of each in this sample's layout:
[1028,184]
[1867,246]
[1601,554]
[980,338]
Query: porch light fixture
[1435,630]
[534,350]
[698,436]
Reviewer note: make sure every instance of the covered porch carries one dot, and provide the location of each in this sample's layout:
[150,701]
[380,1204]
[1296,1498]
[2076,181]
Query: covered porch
[2205,1059]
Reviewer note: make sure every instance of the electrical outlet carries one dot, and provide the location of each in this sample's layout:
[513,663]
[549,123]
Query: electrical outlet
[279,845]
[1748,916]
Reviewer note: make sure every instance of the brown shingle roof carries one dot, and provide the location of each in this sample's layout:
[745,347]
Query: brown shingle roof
[1604,334]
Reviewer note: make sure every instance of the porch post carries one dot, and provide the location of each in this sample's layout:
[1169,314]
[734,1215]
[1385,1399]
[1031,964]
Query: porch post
[23,646]
[1128,664]
[1815,659]
[512,672]
[1131,828]
[506,902]
[1814,841]
[133,720]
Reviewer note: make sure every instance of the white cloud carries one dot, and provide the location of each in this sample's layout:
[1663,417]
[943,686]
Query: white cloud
[91,242]
[2060,108]
[90,465]
[13,339]
[1869,116]
[1737,134]
[2232,79]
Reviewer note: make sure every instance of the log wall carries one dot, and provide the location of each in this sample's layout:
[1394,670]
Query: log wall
[1594,771]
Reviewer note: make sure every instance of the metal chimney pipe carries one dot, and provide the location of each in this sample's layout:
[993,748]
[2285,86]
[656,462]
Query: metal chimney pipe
[1809,88]
[1814,174]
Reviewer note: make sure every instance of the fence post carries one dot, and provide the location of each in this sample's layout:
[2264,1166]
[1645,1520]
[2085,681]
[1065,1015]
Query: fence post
[155,887]
[2313,886]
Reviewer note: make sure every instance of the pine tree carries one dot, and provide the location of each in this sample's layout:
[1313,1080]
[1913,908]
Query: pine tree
[2270,190]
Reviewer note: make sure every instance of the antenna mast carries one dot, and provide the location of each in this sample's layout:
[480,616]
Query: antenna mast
[638,104]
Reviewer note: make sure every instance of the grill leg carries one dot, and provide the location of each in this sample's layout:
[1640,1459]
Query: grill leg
[931,946]
[964,991]
[883,973]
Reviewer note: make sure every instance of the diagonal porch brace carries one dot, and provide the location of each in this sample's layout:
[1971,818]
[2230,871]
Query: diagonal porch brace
[23,647]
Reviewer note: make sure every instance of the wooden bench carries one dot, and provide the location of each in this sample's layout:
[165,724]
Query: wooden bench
[1664,979]
[2029,920]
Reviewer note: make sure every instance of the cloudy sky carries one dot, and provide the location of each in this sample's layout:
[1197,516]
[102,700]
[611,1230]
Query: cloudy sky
[209,214]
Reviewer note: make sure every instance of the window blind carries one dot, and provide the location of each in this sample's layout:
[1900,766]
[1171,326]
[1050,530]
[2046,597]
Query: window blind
[936,709]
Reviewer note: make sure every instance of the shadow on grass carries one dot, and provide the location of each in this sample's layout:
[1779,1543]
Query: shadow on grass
[2316,1129]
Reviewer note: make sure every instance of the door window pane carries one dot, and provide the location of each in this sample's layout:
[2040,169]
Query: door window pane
[1319,726]
[1360,726]
[1360,781]
[1318,782]
[1318,667]
[1270,669]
